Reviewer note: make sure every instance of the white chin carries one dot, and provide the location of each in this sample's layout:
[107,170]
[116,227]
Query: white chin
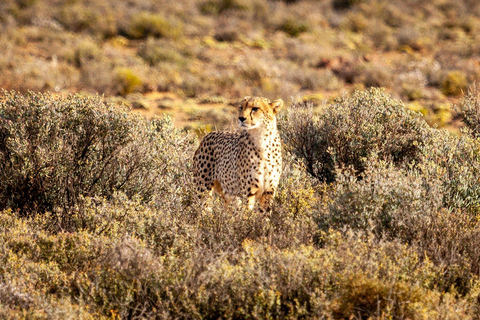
[249,127]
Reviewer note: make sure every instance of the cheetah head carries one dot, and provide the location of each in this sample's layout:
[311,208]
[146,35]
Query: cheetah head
[257,112]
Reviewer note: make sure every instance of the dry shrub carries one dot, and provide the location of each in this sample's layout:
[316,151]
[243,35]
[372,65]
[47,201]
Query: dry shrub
[469,110]
[216,7]
[124,275]
[346,133]
[293,27]
[373,74]
[154,52]
[389,201]
[455,163]
[146,24]
[86,52]
[412,206]
[55,150]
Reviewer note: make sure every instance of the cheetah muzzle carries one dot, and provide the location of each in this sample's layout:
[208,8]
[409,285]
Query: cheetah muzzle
[246,163]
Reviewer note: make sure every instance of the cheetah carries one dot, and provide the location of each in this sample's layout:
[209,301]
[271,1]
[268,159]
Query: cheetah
[246,163]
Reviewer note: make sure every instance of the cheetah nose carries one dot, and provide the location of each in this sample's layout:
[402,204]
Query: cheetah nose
[242,119]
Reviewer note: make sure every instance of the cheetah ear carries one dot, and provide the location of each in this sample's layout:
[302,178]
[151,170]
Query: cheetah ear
[247,98]
[276,105]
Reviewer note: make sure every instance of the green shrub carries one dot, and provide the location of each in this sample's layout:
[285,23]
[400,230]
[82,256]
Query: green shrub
[346,133]
[215,7]
[145,24]
[127,81]
[455,83]
[54,151]
[293,27]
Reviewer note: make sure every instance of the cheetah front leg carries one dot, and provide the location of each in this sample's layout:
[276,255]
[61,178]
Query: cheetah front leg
[254,194]
[251,201]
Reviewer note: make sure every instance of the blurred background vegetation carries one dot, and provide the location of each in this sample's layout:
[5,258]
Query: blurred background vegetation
[193,58]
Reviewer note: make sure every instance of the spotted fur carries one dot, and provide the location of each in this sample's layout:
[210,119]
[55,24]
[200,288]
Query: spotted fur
[246,163]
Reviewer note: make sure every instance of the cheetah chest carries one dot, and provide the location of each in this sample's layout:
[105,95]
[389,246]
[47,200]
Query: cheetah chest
[260,166]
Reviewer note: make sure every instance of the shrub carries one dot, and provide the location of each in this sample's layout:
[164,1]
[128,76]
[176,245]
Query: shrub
[99,76]
[409,37]
[454,83]
[373,75]
[455,162]
[355,21]
[127,81]
[85,52]
[145,24]
[153,53]
[345,4]
[76,17]
[346,133]
[393,203]
[194,85]
[469,110]
[293,27]
[215,7]
[54,151]
[398,240]
[432,207]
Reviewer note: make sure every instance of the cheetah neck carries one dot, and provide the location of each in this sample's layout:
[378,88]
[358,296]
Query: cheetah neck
[263,136]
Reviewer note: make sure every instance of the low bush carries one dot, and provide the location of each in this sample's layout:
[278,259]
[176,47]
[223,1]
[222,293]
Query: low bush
[55,150]
[372,75]
[345,4]
[469,110]
[346,133]
[153,53]
[145,24]
[454,83]
[432,207]
[455,162]
[108,276]
[78,17]
[392,203]
[216,7]
[293,27]
[85,52]
[127,81]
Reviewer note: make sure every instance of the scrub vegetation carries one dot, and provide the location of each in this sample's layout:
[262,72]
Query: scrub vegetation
[375,219]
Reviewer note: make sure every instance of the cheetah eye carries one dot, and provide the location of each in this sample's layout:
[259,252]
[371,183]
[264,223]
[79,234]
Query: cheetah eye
[254,109]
